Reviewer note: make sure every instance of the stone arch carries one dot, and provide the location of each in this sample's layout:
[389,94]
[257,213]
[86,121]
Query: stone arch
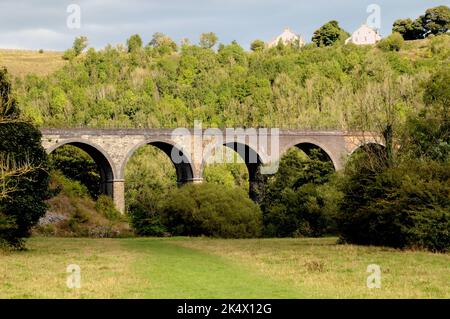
[183,169]
[101,158]
[366,145]
[308,146]
[251,158]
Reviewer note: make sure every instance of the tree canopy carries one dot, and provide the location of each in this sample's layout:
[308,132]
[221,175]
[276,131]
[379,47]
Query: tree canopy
[329,34]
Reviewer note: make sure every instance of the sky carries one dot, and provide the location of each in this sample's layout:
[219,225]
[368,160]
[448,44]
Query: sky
[32,24]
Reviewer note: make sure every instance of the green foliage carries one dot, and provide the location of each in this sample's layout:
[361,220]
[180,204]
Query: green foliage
[80,43]
[311,87]
[73,213]
[149,176]
[8,105]
[329,34]
[404,203]
[208,40]
[211,210]
[71,187]
[435,21]
[297,201]
[409,29]
[69,54]
[394,42]
[230,175]
[257,45]
[405,206]
[105,205]
[23,208]
[437,92]
[20,143]
[134,43]
[230,170]
[77,165]
[162,44]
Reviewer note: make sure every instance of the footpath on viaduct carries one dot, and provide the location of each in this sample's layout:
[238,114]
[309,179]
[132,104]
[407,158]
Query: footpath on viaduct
[191,149]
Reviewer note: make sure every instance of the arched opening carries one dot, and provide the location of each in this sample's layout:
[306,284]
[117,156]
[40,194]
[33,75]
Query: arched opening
[238,161]
[85,163]
[371,155]
[313,150]
[150,171]
[229,169]
[298,199]
[180,161]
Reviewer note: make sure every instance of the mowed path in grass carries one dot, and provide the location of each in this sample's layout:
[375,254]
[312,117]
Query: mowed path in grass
[213,268]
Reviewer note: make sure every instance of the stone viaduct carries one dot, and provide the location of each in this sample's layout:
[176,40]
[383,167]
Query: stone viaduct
[191,149]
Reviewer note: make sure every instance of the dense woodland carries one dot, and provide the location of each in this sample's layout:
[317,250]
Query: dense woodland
[396,196]
[311,87]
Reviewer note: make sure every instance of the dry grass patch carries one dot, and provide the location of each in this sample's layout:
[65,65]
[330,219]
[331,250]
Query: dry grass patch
[22,62]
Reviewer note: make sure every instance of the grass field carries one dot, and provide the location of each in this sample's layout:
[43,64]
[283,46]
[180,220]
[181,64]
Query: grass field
[22,62]
[209,268]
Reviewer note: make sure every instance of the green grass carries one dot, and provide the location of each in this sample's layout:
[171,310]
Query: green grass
[209,268]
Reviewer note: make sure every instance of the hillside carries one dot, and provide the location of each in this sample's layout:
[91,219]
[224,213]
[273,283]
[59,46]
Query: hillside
[311,87]
[23,62]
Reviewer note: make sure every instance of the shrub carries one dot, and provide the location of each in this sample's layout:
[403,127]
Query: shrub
[211,210]
[394,42]
[105,205]
[404,206]
[146,219]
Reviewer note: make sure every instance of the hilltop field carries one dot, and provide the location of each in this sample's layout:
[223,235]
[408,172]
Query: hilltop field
[24,62]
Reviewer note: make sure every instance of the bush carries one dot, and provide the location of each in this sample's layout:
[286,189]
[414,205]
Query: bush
[394,42]
[211,210]
[105,205]
[404,206]
[146,219]
[73,213]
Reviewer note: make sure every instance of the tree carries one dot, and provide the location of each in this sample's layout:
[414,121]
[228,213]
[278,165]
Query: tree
[436,20]
[134,43]
[162,43]
[257,45]
[296,201]
[409,29]
[329,34]
[23,173]
[79,45]
[208,40]
[405,202]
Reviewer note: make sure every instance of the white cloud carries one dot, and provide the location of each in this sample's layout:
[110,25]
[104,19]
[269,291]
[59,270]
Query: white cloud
[32,38]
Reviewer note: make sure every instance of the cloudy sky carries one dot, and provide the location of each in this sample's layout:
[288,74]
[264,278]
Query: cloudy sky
[32,24]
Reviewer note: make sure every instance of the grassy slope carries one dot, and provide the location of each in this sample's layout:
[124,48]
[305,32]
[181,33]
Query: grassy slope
[201,268]
[20,62]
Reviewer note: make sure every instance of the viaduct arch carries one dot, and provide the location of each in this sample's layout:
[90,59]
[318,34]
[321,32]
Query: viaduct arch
[112,148]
